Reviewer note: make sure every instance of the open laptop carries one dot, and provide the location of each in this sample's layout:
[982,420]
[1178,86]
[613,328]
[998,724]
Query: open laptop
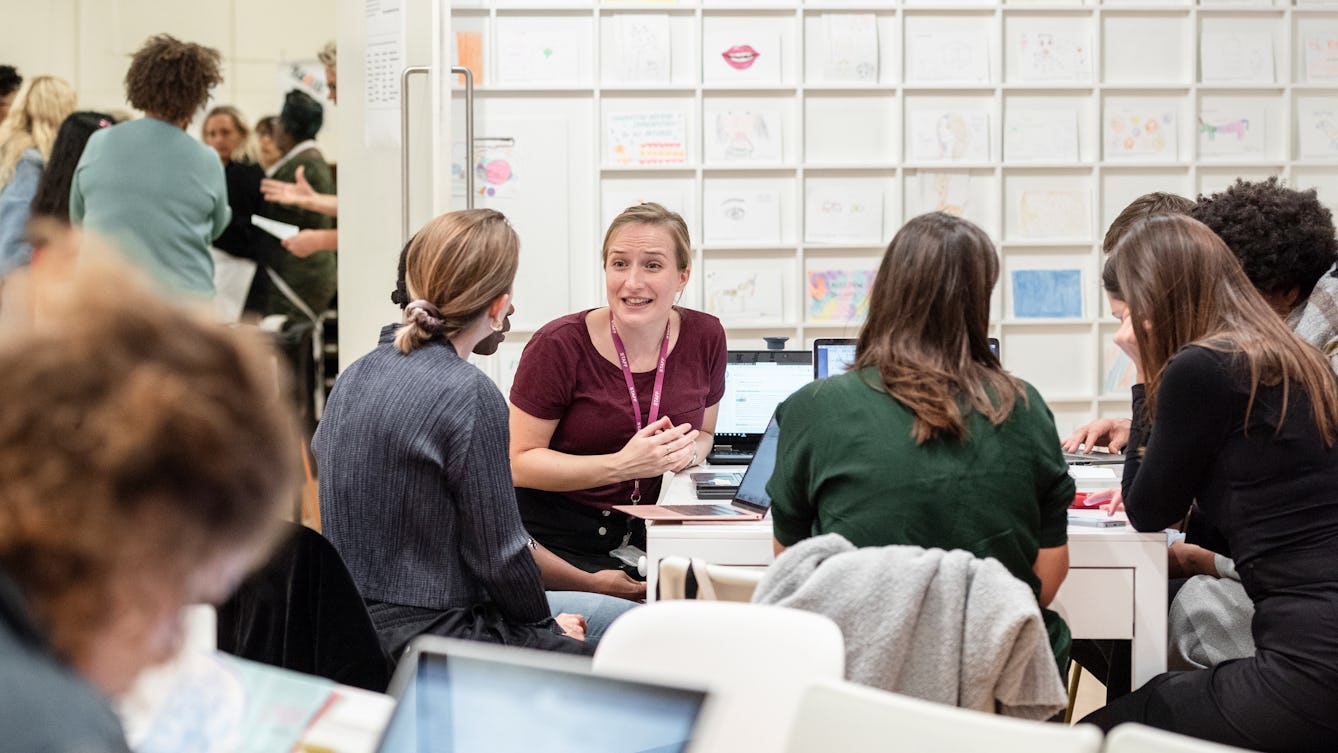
[751,501]
[756,381]
[1095,457]
[833,356]
[467,697]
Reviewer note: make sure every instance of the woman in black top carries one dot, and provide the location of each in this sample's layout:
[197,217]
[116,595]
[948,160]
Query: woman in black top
[1244,416]
[225,130]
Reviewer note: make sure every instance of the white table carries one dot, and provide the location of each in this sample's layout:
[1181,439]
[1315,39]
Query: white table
[1116,586]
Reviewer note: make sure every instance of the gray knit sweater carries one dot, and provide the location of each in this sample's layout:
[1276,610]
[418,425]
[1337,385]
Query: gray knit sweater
[415,484]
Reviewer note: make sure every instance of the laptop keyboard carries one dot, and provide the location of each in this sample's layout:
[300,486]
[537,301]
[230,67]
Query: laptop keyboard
[702,509]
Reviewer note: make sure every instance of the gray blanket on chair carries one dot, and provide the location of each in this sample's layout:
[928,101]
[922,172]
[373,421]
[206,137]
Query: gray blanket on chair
[943,626]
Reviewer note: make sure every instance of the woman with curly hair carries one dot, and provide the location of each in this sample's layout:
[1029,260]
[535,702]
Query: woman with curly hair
[149,186]
[145,456]
[27,137]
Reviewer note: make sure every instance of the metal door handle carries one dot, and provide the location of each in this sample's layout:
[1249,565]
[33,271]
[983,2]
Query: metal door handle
[404,147]
[469,133]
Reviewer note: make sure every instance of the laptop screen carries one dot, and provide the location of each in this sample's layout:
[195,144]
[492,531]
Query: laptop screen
[752,491]
[458,703]
[756,381]
[832,356]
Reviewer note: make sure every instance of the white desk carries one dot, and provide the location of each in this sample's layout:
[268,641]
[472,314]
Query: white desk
[1116,586]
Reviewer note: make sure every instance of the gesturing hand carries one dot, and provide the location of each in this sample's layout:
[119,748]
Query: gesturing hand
[1112,433]
[283,192]
[656,449]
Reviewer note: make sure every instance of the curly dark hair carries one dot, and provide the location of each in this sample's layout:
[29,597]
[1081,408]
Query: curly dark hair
[301,116]
[1284,238]
[171,79]
[10,80]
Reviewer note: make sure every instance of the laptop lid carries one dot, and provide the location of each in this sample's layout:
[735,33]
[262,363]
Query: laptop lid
[832,356]
[756,381]
[469,697]
[752,494]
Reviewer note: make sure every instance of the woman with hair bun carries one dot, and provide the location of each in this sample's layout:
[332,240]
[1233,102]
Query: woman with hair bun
[147,185]
[415,485]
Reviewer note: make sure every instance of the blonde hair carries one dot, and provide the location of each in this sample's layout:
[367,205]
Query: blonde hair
[33,121]
[137,441]
[655,215]
[460,262]
[328,54]
[246,149]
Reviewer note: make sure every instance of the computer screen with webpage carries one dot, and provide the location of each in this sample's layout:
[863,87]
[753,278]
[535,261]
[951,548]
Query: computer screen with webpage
[755,383]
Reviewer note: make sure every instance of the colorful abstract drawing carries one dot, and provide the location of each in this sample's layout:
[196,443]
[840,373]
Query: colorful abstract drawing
[838,295]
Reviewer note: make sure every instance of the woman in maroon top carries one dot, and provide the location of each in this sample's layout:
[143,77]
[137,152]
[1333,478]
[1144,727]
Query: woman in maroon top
[606,401]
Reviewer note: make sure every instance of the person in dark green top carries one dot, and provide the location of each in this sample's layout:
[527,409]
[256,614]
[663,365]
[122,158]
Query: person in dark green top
[927,441]
[309,276]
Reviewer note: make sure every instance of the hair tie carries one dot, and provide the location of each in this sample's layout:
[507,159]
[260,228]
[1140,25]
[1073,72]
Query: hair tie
[103,123]
[425,315]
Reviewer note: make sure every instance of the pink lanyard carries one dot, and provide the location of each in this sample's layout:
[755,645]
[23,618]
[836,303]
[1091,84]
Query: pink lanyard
[631,388]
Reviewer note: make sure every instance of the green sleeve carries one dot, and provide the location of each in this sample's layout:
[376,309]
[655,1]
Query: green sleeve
[792,512]
[1054,485]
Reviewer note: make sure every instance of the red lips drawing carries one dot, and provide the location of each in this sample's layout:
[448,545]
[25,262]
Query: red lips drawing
[740,57]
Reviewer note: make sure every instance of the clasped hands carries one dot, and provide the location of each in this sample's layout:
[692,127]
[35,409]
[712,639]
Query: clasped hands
[659,448]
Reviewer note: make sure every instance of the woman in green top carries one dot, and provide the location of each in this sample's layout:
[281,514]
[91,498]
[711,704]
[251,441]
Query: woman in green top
[927,440]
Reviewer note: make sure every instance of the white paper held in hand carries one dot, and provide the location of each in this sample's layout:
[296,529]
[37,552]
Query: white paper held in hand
[281,230]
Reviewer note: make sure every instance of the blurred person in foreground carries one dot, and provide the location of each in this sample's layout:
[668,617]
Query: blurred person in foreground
[164,437]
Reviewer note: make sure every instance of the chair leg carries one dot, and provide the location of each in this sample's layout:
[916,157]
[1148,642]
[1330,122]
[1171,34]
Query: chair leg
[1075,674]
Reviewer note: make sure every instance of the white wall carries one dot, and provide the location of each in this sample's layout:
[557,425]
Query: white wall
[89,43]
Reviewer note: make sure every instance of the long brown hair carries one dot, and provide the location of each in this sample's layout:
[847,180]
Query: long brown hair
[928,327]
[1183,286]
[459,262]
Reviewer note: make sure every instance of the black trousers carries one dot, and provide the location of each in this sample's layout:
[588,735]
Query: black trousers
[580,534]
[1281,699]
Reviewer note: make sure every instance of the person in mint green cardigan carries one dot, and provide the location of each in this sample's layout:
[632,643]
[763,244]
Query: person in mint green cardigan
[146,185]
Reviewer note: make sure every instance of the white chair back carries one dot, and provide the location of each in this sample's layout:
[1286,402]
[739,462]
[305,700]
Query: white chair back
[1137,738]
[854,718]
[714,582]
[755,660]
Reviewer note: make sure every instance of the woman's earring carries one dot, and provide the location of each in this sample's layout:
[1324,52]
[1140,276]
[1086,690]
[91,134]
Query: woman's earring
[496,326]
[678,297]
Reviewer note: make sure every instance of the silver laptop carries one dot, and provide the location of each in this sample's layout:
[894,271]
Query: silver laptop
[751,501]
[466,697]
